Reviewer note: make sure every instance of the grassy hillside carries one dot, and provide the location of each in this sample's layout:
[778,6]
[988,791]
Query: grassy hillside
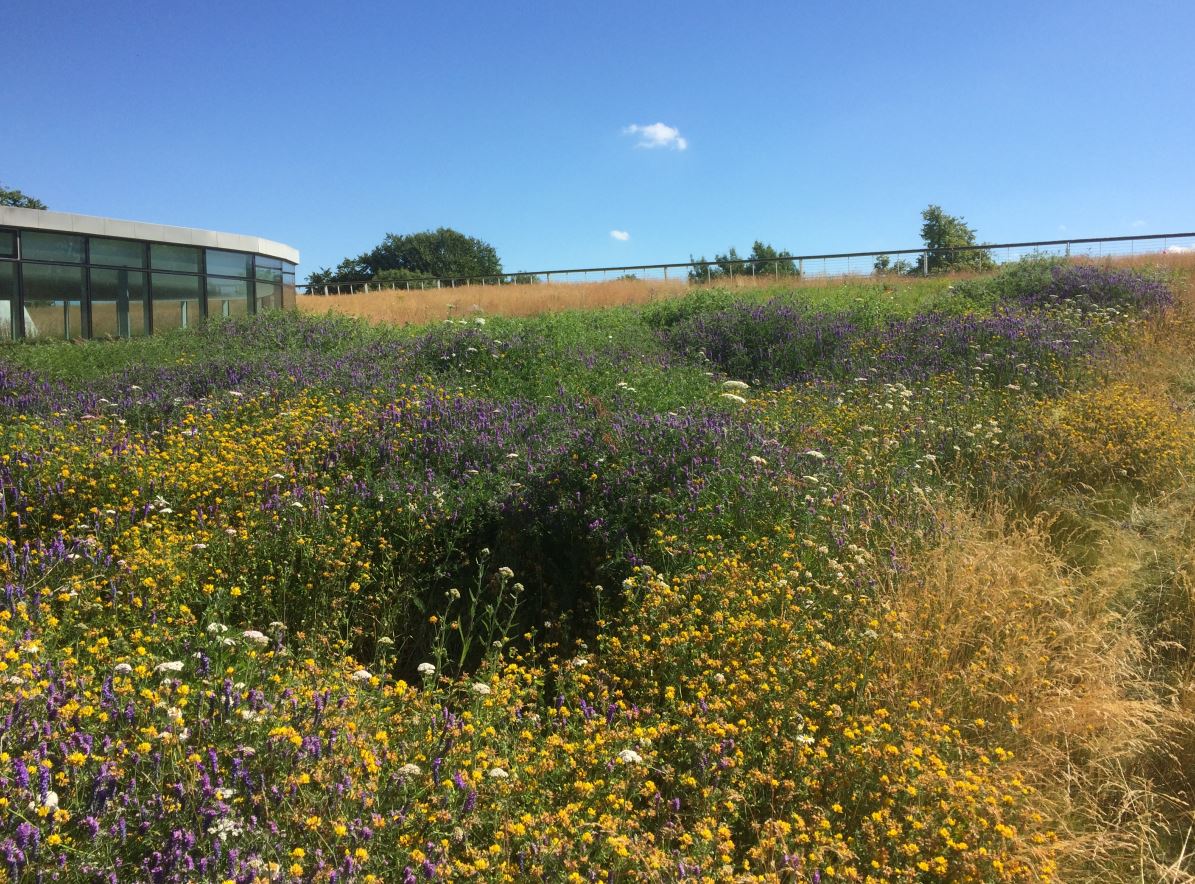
[813,584]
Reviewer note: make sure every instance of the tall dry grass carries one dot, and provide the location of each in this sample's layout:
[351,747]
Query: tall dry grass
[419,307]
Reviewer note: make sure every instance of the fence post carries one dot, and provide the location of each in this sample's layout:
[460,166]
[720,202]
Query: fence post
[1068,250]
[925,263]
[707,274]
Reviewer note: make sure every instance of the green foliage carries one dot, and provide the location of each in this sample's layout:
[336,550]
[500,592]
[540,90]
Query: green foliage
[18,199]
[442,253]
[943,234]
[764,260]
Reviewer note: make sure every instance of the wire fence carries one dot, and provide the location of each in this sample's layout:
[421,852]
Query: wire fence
[866,263]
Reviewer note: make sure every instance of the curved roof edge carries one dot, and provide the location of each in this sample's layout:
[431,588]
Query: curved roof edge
[64,222]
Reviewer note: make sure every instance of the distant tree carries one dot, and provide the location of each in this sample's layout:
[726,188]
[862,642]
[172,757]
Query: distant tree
[766,260]
[884,265]
[444,253]
[18,199]
[943,234]
[763,260]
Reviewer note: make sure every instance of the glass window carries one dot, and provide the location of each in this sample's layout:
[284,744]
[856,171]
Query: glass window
[8,300]
[38,246]
[53,300]
[269,296]
[267,273]
[288,290]
[117,303]
[228,263]
[8,244]
[117,252]
[227,297]
[182,258]
[176,301]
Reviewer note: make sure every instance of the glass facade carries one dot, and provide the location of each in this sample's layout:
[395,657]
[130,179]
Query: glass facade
[68,285]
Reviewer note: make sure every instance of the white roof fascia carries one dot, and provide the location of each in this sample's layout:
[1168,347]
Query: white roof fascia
[63,222]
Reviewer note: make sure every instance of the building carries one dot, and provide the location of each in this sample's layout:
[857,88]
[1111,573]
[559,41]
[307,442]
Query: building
[78,276]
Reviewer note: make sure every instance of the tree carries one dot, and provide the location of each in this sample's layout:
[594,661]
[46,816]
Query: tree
[19,200]
[884,265]
[442,253]
[943,234]
[763,260]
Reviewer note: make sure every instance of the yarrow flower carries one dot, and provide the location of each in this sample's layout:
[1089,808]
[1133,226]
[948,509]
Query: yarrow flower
[257,638]
[480,687]
[497,773]
[630,756]
[735,385]
[169,666]
[734,397]
[817,455]
[362,675]
[426,669]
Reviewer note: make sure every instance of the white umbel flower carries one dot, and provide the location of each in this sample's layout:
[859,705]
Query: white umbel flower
[630,756]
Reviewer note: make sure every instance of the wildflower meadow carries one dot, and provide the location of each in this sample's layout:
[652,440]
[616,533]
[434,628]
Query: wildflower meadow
[841,584]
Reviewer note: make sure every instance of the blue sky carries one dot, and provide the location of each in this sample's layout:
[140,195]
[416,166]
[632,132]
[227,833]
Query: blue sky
[813,126]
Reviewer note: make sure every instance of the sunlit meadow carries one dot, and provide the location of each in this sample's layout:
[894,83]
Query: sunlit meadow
[854,584]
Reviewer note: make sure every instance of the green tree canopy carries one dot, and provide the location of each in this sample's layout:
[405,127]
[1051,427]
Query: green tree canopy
[433,253]
[19,200]
[763,260]
[943,234]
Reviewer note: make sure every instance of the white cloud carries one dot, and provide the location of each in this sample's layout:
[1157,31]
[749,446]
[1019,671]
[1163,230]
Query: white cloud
[657,135]
[1178,250]
[620,235]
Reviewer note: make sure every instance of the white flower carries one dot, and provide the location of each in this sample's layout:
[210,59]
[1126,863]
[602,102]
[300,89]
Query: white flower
[385,640]
[580,661]
[506,572]
[198,546]
[817,455]
[50,802]
[362,675]
[426,668]
[237,393]
[277,476]
[734,397]
[224,826]
[410,770]
[251,716]
[122,668]
[758,461]
[257,638]
[213,628]
[735,385]
[480,320]
[630,756]
[497,773]
[482,688]
[169,666]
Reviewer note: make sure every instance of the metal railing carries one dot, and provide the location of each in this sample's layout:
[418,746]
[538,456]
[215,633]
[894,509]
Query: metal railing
[835,264]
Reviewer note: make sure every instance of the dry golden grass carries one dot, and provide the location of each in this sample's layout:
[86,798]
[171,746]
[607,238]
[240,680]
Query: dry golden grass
[417,307]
